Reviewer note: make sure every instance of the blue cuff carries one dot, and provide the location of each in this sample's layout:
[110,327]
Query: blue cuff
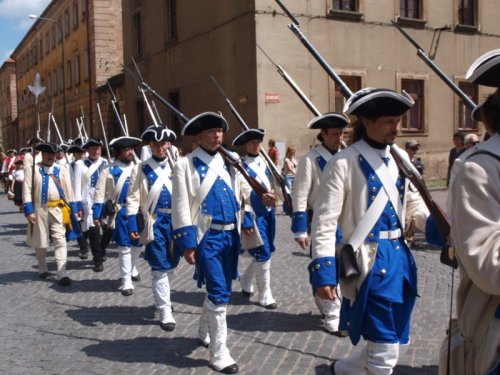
[74,207]
[79,206]
[247,220]
[132,224]
[299,222]
[185,238]
[28,208]
[97,209]
[432,234]
[322,271]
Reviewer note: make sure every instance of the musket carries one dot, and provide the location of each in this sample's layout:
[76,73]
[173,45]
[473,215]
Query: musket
[287,204]
[259,189]
[79,130]
[115,109]
[103,132]
[61,140]
[435,68]
[148,88]
[156,111]
[48,121]
[442,223]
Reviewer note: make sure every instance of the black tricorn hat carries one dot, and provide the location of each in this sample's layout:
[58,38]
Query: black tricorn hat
[34,140]
[78,141]
[330,120]
[124,142]
[92,142]
[63,147]
[158,134]
[249,135]
[485,70]
[11,150]
[75,148]
[50,148]
[371,102]
[204,121]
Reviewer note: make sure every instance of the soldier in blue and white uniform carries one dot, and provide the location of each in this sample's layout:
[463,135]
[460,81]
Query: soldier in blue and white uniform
[206,218]
[305,191]
[260,219]
[150,199]
[110,201]
[87,172]
[363,192]
[50,209]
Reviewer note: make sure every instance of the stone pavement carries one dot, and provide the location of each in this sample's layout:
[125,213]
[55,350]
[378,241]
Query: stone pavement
[89,328]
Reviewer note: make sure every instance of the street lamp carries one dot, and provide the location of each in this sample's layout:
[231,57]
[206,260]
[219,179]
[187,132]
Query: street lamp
[63,66]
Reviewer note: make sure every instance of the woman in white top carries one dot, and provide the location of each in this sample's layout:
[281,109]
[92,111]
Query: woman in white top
[290,167]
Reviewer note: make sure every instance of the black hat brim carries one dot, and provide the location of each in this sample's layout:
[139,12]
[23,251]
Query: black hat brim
[75,148]
[92,142]
[485,70]
[249,135]
[50,148]
[329,121]
[124,142]
[158,134]
[205,121]
[374,103]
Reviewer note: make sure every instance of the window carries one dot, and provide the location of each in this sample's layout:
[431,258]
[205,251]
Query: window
[139,109]
[464,120]
[346,5]
[86,64]
[54,83]
[467,12]
[84,10]
[338,100]
[174,124]
[53,34]
[413,120]
[47,43]
[137,34]
[35,53]
[77,69]
[75,14]
[59,33]
[66,22]
[61,70]
[410,9]
[69,76]
[171,20]
[41,49]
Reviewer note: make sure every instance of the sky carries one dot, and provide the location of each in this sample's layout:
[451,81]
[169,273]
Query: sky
[14,22]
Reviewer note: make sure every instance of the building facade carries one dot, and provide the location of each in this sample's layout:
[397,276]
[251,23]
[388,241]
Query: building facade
[178,45]
[75,46]
[8,104]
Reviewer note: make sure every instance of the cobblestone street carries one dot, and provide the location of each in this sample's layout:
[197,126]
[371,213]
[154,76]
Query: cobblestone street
[90,328]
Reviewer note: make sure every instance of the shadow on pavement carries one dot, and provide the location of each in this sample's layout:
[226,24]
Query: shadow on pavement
[13,229]
[169,351]
[123,315]
[19,277]
[91,285]
[188,298]
[273,321]
[424,370]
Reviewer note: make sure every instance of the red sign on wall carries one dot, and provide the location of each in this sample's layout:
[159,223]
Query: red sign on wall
[272,97]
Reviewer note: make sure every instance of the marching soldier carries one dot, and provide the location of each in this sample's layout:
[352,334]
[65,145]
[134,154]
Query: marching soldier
[260,219]
[206,220]
[305,191]
[149,217]
[110,201]
[363,192]
[49,212]
[87,172]
[475,230]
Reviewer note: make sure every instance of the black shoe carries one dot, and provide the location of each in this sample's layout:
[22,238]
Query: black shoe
[136,278]
[98,268]
[246,294]
[231,369]
[332,368]
[167,326]
[83,255]
[203,343]
[127,292]
[43,275]
[65,281]
[271,306]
